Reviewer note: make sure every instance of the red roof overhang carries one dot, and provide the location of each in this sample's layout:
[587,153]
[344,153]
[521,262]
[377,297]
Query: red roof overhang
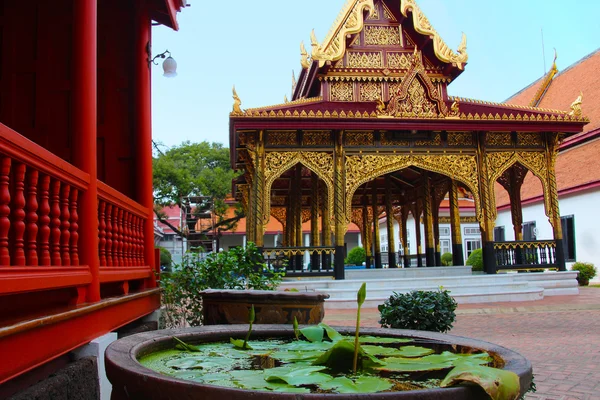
[165,12]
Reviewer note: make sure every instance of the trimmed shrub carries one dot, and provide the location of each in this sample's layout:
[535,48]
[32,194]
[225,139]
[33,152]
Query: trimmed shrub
[356,256]
[476,260]
[587,271]
[165,258]
[421,310]
[447,259]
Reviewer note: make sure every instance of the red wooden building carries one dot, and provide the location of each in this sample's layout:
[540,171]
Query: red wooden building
[76,224]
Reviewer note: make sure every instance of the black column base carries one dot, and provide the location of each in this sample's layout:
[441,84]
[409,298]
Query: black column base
[458,257]
[378,260]
[315,262]
[368,262]
[438,259]
[406,259]
[299,262]
[338,269]
[392,260]
[419,261]
[430,256]
[489,260]
[560,256]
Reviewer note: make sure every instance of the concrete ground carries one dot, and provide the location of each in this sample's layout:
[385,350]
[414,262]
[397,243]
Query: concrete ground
[560,335]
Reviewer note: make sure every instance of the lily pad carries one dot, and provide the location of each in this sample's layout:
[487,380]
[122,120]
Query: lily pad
[341,356]
[363,384]
[382,340]
[291,356]
[303,345]
[397,364]
[240,344]
[313,333]
[413,351]
[181,345]
[332,334]
[297,375]
[380,350]
[499,384]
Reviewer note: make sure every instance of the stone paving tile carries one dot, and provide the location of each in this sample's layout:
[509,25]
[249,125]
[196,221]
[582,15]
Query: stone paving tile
[561,338]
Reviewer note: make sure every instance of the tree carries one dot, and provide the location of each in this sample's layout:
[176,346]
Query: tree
[194,170]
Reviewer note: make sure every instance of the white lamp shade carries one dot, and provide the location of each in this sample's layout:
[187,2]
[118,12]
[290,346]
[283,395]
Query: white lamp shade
[170,67]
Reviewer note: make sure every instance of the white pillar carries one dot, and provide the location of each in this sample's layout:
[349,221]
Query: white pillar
[96,348]
[306,244]
[244,241]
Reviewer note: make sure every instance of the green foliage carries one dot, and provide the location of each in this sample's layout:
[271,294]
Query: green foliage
[356,256]
[165,258]
[587,271]
[237,268]
[421,310]
[476,260]
[447,259]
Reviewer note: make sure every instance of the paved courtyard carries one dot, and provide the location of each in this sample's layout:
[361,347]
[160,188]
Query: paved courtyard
[560,336]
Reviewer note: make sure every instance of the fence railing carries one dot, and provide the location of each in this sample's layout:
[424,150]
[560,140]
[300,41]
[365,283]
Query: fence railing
[522,255]
[291,259]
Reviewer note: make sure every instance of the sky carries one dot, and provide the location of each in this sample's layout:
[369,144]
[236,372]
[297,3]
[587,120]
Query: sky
[255,45]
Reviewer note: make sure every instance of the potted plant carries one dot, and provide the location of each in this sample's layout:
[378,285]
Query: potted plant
[587,271]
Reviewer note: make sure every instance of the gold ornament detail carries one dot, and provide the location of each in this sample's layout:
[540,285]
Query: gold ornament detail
[382,36]
[398,60]
[435,141]
[304,56]
[316,138]
[374,14]
[342,91]
[364,60]
[498,139]
[576,106]
[359,138]
[280,214]
[349,21]
[387,139]
[370,91]
[533,139]
[237,110]
[416,104]
[363,168]
[282,138]
[440,48]
[387,14]
[460,139]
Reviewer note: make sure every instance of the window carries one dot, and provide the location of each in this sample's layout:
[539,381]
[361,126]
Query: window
[384,238]
[445,246]
[568,230]
[529,231]
[444,231]
[499,234]
[471,245]
[472,230]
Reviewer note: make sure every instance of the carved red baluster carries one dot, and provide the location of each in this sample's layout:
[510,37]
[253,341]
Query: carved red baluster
[32,218]
[141,241]
[74,226]
[136,245]
[128,245]
[116,239]
[121,238]
[65,235]
[133,247]
[4,210]
[18,215]
[102,232]
[109,235]
[44,221]
[55,223]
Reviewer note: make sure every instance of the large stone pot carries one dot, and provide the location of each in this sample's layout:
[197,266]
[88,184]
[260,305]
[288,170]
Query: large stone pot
[222,307]
[132,381]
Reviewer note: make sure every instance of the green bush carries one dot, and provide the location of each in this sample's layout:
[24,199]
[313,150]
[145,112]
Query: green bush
[421,310]
[447,259]
[165,258]
[356,256]
[237,268]
[587,271]
[476,260]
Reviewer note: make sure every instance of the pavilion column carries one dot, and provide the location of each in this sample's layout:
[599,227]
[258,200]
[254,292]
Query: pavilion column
[435,214]
[314,222]
[298,216]
[259,197]
[427,222]
[406,250]
[290,230]
[368,234]
[457,247]
[552,146]
[516,209]
[488,211]
[85,91]
[339,207]
[376,236]
[389,212]
[417,216]
[326,232]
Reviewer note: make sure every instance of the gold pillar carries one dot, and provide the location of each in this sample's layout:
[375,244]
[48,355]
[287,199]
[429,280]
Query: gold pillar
[455,228]
[516,210]
[427,222]
[314,221]
[298,208]
[250,216]
[376,236]
[488,211]
[552,145]
[326,220]
[417,216]
[259,185]
[389,212]
[404,236]
[368,233]
[339,204]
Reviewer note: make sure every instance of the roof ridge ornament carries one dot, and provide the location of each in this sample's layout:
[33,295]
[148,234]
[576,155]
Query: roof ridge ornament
[237,110]
[304,57]
[543,89]
[576,106]
[440,48]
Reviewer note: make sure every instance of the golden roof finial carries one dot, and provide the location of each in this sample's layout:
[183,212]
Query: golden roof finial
[304,56]
[576,106]
[237,110]
[294,83]
[285,99]
[462,47]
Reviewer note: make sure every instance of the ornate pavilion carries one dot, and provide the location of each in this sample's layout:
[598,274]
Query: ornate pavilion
[371,130]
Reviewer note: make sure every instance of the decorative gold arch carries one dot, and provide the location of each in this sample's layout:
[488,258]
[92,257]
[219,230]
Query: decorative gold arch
[276,163]
[535,162]
[363,168]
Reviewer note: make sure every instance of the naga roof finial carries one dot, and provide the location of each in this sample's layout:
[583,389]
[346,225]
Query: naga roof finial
[237,110]
[304,56]
[576,106]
